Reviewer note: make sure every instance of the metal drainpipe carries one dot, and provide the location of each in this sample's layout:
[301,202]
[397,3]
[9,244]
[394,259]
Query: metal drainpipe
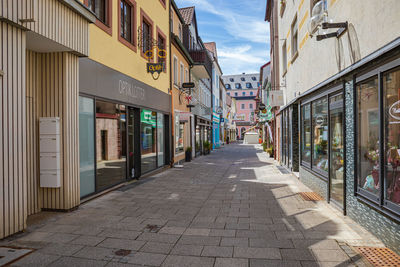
[172,156]
[190,110]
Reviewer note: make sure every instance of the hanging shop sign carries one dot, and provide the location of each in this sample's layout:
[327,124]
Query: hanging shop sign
[188,85]
[219,111]
[153,47]
[155,68]
[276,98]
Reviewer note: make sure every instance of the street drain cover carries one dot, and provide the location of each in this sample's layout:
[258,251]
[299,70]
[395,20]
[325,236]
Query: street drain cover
[9,254]
[310,196]
[152,228]
[123,252]
[380,257]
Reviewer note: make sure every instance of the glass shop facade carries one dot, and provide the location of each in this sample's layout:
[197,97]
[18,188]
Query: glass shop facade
[348,141]
[120,137]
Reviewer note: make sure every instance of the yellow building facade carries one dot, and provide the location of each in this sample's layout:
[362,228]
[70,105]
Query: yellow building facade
[125,99]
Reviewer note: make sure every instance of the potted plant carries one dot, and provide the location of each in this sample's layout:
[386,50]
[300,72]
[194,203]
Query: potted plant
[188,154]
[207,147]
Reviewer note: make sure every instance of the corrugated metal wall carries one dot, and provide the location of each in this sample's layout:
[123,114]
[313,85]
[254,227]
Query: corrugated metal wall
[13,179]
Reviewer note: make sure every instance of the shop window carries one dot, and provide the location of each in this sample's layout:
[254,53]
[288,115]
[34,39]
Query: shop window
[148,123]
[110,144]
[306,134]
[86,146]
[320,135]
[368,137]
[180,130]
[391,85]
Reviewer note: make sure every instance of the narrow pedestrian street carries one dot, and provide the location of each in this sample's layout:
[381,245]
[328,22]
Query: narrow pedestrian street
[231,208]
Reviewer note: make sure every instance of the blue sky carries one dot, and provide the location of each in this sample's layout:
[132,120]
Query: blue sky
[238,28]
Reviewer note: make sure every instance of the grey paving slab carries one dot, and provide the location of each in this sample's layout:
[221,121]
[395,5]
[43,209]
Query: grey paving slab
[256,253]
[188,261]
[156,237]
[61,249]
[119,243]
[36,259]
[235,242]
[187,250]
[87,240]
[156,247]
[217,251]
[70,261]
[271,243]
[230,208]
[231,262]
[96,253]
[275,263]
[149,259]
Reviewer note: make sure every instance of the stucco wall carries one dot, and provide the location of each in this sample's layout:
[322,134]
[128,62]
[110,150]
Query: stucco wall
[372,24]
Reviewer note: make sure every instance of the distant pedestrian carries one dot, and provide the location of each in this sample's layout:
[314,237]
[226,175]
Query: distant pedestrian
[227,140]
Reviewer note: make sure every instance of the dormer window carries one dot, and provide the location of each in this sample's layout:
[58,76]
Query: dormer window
[231,80]
[254,78]
[243,79]
[248,85]
[238,86]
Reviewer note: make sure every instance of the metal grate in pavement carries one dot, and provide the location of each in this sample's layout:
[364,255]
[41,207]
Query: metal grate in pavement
[380,257]
[310,196]
[9,255]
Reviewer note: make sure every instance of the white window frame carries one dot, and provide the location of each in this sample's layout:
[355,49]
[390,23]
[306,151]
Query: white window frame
[182,74]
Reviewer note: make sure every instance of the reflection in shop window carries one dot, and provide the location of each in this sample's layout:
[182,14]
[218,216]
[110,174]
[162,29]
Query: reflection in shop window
[320,134]
[306,133]
[110,144]
[368,137]
[148,123]
[391,86]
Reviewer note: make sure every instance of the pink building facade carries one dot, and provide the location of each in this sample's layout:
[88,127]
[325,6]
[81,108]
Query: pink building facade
[243,88]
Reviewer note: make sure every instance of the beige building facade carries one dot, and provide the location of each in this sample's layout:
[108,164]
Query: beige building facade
[40,42]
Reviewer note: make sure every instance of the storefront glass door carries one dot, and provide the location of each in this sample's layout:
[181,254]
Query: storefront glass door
[336,150]
[148,122]
[131,143]
[160,139]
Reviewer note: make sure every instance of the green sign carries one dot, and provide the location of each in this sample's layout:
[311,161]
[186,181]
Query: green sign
[149,117]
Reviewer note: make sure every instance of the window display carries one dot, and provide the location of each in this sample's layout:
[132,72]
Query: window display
[306,133]
[320,134]
[368,129]
[110,144]
[337,149]
[391,87]
[160,140]
[179,137]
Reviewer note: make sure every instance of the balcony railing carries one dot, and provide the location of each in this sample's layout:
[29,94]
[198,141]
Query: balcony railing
[201,57]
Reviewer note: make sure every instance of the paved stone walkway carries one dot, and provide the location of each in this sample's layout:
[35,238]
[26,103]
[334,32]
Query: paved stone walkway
[231,208]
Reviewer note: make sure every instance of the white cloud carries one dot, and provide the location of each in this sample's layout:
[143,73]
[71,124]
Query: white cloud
[235,60]
[245,46]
